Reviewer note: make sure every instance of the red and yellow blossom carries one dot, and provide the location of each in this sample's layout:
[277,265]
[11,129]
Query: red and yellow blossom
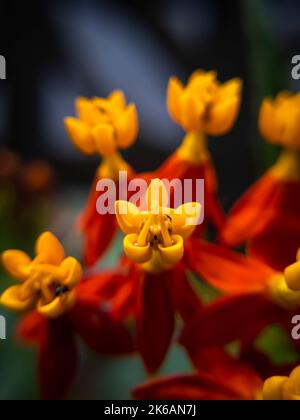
[267,215]
[103,126]
[151,284]
[48,290]
[256,296]
[203,107]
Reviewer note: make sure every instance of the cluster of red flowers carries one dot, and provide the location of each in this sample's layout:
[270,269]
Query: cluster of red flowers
[136,306]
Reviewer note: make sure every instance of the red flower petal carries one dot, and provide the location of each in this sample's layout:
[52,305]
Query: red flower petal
[182,387]
[268,217]
[99,230]
[155,319]
[235,382]
[57,359]
[249,214]
[229,319]
[278,243]
[100,287]
[125,300]
[31,329]
[186,301]
[176,168]
[226,270]
[99,331]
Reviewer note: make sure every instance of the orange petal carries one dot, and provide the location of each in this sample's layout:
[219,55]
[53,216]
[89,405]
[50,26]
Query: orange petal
[126,126]
[50,249]
[192,111]
[223,116]
[227,270]
[174,98]
[15,263]
[87,112]
[104,138]
[73,271]
[80,135]
[10,299]
[57,307]
[269,125]
[118,100]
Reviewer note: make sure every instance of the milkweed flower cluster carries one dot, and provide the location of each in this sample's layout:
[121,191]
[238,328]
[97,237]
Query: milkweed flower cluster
[138,306]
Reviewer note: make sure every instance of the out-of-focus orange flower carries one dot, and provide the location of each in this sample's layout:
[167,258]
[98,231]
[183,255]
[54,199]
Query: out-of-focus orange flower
[258,296]
[203,107]
[267,215]
[103,127]
[279,120]
[37,177]
[204,104]
[48,290]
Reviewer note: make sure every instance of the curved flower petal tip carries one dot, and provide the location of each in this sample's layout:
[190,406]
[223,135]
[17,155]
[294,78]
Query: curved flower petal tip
[80,135]
[204,104]
[16,263]
[50,249]
[13,301]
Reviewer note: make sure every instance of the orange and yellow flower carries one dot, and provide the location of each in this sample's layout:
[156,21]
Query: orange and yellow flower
[103,126]
[47,282]
[151,283]
[204,105]
[55,312]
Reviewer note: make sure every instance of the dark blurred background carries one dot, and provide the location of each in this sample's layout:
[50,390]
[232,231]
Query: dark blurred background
[58,50]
